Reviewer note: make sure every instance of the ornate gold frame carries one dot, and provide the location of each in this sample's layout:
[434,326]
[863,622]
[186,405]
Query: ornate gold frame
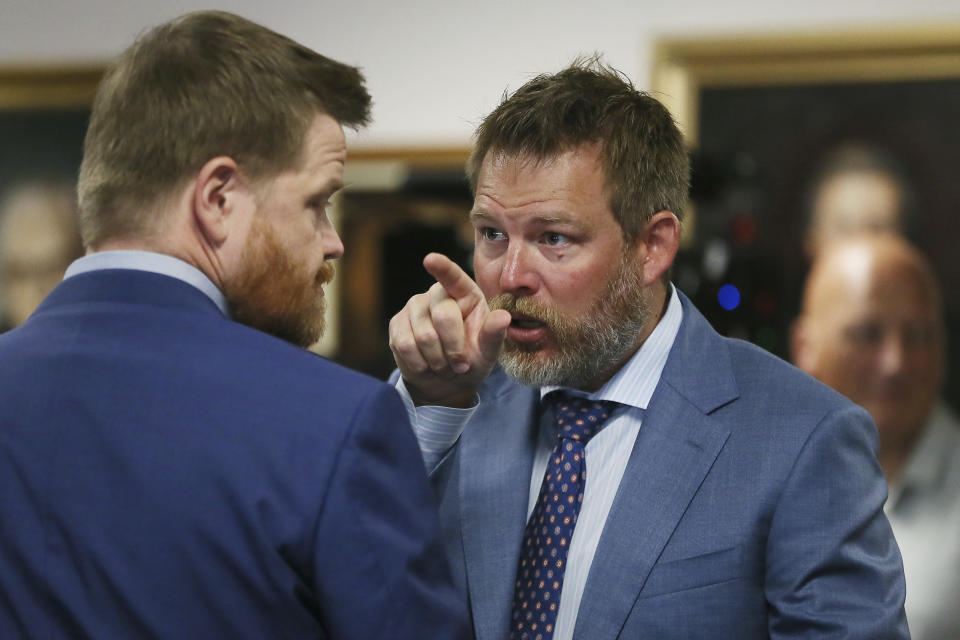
[682,66]
[27,87]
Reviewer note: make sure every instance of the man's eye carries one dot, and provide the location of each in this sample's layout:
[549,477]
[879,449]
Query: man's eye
[556,239]
[918,336]
[490,234]
[866,334]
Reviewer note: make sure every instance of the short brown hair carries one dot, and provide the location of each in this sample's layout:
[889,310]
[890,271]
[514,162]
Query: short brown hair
[645,163]
[206,84]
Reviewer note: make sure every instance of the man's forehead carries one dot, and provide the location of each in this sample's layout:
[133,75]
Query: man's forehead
[521,159]
[889,301]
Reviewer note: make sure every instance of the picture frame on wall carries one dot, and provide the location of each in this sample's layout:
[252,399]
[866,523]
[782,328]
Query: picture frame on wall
[399,205]
[765,115]
[43,117]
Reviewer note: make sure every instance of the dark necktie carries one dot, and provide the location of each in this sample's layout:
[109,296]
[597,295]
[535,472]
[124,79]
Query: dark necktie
[546,539]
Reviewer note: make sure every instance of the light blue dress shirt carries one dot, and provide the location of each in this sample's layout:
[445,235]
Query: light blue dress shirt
[152,262]
[438,428]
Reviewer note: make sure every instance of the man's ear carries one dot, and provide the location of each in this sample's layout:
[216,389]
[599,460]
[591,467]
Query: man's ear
[657,245]
[220,192]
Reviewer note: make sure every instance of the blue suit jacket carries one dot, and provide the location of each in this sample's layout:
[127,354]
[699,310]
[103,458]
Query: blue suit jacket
[751,507]
[168,473]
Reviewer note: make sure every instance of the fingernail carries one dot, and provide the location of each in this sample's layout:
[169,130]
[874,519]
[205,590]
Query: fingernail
[461,367]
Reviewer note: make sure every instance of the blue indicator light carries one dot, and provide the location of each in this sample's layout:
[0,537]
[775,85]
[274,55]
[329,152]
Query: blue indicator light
[728,297]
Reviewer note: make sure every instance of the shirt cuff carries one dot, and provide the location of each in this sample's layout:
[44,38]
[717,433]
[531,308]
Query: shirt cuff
[437,428]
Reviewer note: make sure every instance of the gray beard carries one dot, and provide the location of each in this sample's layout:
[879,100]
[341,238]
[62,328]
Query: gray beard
[588,349]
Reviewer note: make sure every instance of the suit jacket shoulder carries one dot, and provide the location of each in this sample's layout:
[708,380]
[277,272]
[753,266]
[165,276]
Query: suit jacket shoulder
[163,458]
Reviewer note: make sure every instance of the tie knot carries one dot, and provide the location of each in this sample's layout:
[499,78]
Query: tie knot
[580,418]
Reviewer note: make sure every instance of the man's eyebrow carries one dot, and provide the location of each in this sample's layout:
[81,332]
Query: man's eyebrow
[334,185]
[556,219]
[328,188]
[541,219]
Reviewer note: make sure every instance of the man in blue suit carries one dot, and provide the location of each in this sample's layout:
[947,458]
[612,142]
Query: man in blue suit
[624,471]
[167,468]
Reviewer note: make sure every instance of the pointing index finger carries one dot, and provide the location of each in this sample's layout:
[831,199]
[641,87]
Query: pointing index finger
[455,281]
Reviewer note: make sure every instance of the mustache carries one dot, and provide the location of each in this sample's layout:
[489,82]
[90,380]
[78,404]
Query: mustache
[524,306]
[325,273]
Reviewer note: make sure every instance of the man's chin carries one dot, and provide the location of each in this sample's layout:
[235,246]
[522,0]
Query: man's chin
[535,350]
[531,365]
[300,330]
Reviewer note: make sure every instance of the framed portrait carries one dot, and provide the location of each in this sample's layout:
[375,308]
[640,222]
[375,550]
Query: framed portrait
[764,116]
[398,205]
[43,118]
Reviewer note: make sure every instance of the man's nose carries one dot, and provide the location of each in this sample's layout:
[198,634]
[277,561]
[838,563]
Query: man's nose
[519,275]
[332,245]
[892,355]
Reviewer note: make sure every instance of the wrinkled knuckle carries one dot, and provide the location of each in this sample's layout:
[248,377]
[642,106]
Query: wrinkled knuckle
[425,334]
[394,342]
[417,303]
[403,345]
[445,314]
[396,324]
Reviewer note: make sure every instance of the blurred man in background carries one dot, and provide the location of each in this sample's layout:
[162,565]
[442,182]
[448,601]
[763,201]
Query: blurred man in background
[872,328]
[39,238]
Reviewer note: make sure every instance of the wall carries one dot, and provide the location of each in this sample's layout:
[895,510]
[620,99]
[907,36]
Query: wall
[434,66]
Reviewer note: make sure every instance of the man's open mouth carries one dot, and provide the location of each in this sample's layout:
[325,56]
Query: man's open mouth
[525,322]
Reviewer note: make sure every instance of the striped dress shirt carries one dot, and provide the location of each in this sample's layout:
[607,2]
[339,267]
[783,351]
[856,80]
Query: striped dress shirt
[438,428]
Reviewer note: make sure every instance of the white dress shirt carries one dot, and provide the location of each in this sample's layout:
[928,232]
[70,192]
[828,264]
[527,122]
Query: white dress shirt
[924,513]
[152,262]
[438,428]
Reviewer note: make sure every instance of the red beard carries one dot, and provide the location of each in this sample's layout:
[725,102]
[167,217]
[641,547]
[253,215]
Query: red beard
[275,293]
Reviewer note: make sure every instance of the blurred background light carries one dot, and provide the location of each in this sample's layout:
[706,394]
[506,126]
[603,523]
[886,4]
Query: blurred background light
[729,297]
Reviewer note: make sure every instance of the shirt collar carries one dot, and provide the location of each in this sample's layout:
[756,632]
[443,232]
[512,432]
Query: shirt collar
[931,457]
[152,262]
[635,382]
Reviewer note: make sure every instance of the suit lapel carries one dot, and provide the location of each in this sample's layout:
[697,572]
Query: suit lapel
[495,466]
[674,451]
[667,466]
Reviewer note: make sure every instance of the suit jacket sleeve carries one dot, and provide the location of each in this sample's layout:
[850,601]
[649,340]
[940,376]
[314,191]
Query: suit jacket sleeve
[381,569]
[833,566]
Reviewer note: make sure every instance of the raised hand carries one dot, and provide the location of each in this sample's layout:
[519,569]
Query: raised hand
[447,340]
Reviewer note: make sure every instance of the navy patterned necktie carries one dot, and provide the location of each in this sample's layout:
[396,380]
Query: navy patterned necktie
[546,539]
